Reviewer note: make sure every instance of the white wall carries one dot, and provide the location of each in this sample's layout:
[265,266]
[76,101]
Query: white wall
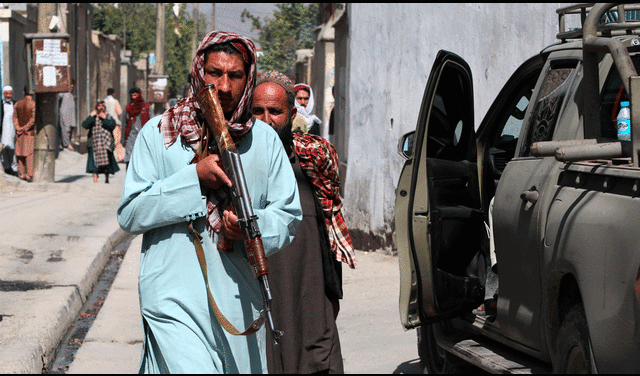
[14,68]
[391,51]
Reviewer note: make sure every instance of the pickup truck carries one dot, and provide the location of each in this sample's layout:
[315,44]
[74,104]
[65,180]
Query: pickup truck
[545,182]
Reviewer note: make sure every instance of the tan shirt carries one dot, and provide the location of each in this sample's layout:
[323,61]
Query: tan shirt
[24,119]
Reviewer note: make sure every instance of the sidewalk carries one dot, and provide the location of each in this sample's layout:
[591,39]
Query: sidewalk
[55,240]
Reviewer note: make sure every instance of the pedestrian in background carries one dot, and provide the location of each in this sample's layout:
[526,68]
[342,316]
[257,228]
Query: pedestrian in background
[306,276]
[8,133]
[114,109]
[180,202]
[100,159]
[138,113]
[304,107]
[67,116]
[24,120]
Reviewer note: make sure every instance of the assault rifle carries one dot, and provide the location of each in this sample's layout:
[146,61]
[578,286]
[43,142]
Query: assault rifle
[210,105]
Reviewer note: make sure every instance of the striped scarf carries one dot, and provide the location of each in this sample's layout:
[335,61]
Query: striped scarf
[182,120]
[319,160]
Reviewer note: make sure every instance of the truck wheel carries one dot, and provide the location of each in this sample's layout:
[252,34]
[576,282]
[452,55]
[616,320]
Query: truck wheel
[573,353]
[433,358]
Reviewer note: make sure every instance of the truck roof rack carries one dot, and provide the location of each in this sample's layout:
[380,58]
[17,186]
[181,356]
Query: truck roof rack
[628,23]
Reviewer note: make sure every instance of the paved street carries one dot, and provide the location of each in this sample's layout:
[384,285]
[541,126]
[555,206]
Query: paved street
[372,338]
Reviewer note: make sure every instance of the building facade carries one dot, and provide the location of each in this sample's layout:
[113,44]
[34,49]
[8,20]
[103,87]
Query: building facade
[383,56]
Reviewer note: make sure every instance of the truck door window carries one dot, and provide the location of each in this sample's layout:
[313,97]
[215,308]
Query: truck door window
[505,147]
[612,94]
[543,118]
[506,116]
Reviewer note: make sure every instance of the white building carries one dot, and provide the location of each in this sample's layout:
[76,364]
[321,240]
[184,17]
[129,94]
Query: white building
[383,57]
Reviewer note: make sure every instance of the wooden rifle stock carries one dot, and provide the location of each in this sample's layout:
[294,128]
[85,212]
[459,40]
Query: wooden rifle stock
[217,125]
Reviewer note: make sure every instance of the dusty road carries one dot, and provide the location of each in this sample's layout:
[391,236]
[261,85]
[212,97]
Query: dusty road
[372,338]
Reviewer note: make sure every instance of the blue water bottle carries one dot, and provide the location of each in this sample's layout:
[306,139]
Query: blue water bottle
[624,122]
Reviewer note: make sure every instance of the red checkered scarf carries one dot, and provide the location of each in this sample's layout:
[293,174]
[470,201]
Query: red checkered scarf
[319,160]
[181,119]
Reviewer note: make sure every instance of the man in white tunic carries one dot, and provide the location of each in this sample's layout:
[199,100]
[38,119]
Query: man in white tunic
[115,110]
[8,133]
[166,189]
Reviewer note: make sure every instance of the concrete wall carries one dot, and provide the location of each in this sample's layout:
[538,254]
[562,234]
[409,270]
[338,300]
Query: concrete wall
[303,66]
[77,22]
[14,54]
[322,75]
[141,75]
[389,51]
[105,65]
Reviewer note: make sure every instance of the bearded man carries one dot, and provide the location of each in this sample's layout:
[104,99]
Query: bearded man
[168,191]
[306,276]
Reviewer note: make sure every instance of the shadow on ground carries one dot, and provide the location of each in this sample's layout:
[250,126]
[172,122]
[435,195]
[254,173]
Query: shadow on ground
[72,178]
[408,367]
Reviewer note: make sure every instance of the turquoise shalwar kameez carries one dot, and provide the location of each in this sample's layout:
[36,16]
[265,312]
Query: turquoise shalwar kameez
[161,195]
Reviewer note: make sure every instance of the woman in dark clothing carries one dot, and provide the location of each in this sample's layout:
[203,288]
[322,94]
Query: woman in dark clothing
[100,159]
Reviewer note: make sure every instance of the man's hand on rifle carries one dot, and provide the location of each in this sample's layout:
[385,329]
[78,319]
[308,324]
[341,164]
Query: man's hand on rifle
[210,172]
[230,226]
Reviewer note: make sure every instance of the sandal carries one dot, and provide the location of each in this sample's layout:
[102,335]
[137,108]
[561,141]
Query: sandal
[488,308]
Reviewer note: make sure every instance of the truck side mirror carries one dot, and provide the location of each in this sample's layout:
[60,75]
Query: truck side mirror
[405,145]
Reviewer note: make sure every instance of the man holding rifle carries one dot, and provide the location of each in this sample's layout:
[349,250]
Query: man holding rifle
[178,197]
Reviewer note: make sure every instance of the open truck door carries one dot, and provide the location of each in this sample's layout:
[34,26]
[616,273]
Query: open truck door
[438,205]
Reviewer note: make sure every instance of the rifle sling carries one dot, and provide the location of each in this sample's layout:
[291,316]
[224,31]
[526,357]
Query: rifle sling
[254,326]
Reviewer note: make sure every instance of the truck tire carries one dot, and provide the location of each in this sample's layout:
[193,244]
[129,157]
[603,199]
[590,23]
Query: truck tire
[433,358]
[573,352]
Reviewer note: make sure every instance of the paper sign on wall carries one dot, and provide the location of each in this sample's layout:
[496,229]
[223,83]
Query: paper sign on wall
[49,76]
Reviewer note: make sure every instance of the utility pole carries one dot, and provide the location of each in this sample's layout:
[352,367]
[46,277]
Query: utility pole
[159,69]
[46,138]
[213,16]
[124,27]
[194,37]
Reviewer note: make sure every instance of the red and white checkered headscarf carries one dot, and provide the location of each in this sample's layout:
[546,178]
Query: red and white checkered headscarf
[181,119]
[319,161]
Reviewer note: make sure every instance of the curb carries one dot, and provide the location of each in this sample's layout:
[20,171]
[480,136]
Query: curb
[41,356]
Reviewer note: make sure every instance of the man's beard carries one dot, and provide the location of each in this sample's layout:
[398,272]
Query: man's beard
[286,136]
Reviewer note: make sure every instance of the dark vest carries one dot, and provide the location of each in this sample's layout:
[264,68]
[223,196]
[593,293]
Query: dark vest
[2,115]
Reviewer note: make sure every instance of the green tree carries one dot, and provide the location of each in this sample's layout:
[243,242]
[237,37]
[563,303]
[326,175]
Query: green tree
[291,29]
[177,61]
[135,24]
